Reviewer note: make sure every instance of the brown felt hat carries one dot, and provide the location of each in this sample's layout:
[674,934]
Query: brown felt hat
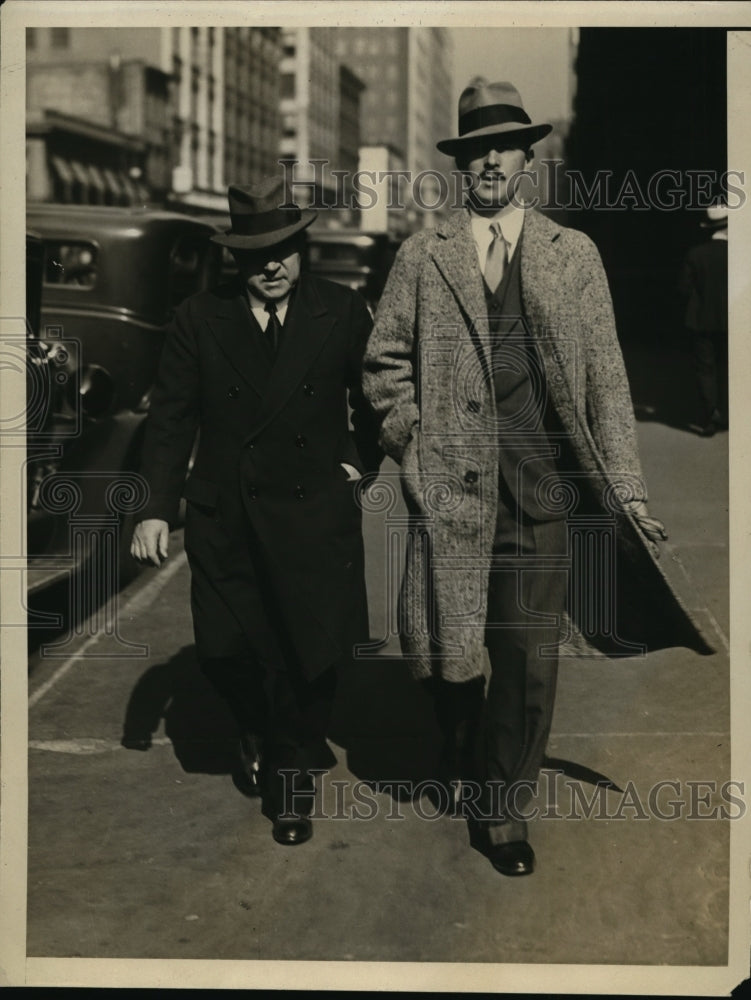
[487,109]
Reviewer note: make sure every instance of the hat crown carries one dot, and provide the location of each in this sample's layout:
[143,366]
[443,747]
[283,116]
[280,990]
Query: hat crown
[481,94]
[266,195]
[488,109]
[263,214]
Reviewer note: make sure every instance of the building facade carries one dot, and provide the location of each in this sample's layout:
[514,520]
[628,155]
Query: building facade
[310,109]
[97,116]
[158,115]
[407,105]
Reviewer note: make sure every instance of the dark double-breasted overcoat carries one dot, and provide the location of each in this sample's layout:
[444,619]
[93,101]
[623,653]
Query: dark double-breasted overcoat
[428,374]
[273,528]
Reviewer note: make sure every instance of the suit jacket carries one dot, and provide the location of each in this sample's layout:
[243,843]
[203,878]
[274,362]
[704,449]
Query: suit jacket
[428,375]
[272,525]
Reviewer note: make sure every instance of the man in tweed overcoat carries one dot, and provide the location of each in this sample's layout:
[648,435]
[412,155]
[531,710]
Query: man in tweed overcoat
[496,373]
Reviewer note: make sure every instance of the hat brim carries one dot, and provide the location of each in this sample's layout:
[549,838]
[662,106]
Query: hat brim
[259,241]
[530,134]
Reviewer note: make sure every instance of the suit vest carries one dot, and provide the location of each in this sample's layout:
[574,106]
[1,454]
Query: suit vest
[527,466]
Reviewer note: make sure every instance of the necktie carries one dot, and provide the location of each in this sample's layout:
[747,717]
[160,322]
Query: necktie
[273,328]
[495,262]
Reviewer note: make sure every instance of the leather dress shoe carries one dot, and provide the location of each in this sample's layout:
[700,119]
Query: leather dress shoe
[250,764]
[515,858]
[294,804]
[292,830]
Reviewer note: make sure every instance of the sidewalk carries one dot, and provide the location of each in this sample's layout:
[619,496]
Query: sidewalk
[157,855]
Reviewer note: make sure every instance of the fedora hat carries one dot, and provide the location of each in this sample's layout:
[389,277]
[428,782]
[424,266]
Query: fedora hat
[491,109]
[716,217]
[262,215]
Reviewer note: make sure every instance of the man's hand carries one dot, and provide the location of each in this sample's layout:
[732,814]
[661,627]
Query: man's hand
[150,541]
[651,527]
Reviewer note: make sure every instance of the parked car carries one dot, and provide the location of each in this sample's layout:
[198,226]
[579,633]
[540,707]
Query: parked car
[110,280]
[361,260]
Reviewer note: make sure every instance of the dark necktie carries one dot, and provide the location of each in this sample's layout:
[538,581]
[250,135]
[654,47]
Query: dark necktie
[273,328]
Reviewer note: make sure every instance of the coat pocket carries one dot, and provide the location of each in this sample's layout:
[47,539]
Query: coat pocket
[201,492]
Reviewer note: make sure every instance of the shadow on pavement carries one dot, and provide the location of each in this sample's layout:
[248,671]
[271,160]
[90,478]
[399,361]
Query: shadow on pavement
[385,721]
[381,717]
[196,721]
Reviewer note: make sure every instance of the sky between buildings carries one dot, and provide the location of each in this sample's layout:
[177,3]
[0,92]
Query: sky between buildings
[535,60]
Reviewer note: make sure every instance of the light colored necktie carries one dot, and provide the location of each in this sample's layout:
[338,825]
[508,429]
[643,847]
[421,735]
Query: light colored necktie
[495,262]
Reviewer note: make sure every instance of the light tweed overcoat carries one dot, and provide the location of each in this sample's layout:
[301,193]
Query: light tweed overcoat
[428,374]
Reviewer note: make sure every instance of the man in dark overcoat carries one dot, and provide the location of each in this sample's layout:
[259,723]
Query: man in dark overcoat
[705,288]
[263,369]
[495,370]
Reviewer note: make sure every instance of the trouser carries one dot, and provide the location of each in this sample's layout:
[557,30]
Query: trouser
[523,621]
[710,354]
[287,713]
[513,721]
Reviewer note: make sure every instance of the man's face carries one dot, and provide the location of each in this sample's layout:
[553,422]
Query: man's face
[492,164]
[271,273]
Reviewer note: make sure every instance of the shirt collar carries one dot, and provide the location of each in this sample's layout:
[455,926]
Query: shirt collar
[259,306]
[511,218]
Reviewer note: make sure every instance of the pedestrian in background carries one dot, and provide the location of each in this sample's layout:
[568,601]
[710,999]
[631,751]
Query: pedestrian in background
[705,289]
[496,372]
[263,368]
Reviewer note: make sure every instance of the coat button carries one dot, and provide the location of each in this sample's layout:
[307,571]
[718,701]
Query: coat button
[300,441]
[233,391]
[473,406]
[308,389]
[299,492]
[470,476]
[252,493]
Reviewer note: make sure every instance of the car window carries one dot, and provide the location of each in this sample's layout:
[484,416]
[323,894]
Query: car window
[70,262]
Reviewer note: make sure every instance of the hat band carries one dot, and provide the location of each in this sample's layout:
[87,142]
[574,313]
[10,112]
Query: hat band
[260,223]
[492,114]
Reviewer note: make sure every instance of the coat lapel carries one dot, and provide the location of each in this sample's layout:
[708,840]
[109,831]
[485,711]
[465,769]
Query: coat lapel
[231,326]
[540,273]
[455,255]
[307,325]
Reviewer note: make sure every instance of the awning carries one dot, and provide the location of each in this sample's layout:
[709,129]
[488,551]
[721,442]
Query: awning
[96,179]
[80,173]
[112,183]
[62,169]
[130,190]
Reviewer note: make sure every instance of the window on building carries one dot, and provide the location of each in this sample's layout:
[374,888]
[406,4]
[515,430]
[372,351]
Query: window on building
[60,38]
[287,84]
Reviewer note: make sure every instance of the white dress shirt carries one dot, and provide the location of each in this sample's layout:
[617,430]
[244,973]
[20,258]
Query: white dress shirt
[511,219]
[258,307]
